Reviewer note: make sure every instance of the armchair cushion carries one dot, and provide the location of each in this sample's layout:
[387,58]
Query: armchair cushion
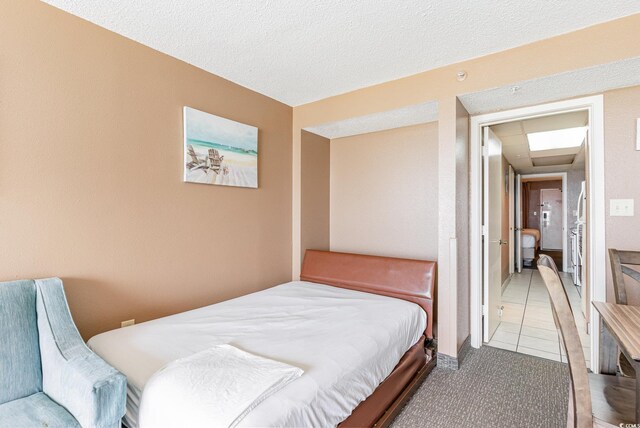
[20,372]
[36,410]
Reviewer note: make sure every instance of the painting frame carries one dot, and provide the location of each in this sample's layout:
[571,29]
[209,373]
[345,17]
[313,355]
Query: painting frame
[219,151]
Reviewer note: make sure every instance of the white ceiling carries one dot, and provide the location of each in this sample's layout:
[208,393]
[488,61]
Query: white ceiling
[298,51]
[515,146]
[390,119]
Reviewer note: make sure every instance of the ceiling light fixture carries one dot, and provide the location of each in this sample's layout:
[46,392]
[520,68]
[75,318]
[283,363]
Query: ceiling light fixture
[559,139]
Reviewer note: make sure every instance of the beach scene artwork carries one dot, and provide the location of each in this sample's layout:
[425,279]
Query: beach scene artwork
[219,151]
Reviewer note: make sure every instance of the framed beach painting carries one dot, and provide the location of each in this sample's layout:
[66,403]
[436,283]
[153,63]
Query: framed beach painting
[219,151]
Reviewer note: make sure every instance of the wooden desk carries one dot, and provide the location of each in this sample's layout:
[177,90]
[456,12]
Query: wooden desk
[623,322]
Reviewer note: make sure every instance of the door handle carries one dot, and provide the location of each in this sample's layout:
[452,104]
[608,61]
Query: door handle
[499,242]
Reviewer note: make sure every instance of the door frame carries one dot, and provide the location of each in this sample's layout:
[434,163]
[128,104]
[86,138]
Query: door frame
[597,254]
[565,226]
[518,223]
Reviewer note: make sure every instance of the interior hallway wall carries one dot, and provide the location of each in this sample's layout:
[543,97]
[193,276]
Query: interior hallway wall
[384,198]
[91,164]
[622,166]
[315,229]
[463,288]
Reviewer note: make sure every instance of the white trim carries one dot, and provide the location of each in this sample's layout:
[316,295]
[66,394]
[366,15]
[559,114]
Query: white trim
[565,226]
[597,249]
[512,221]
[485,230]
[597,259]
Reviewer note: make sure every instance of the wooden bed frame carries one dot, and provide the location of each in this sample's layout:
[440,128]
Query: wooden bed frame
[411,280]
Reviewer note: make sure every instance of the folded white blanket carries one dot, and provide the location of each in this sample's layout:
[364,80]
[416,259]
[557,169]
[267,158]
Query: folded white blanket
[213,388]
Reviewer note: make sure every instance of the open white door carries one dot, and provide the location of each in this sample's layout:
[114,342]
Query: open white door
[493,232]
[512,221]
[519,223]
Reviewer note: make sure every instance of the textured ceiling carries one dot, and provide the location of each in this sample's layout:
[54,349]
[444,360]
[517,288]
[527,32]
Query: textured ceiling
[515,146]
[390,119]
[298,51]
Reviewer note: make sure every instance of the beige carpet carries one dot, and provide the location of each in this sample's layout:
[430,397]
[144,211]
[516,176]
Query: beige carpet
[493,388]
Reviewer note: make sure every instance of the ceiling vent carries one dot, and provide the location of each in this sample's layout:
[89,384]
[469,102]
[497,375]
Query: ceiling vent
[553,160]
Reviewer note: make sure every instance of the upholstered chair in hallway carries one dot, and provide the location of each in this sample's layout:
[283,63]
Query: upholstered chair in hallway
[594,400]
[48,376]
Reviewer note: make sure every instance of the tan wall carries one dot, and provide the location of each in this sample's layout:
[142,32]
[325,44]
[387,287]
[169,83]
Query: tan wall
[622,180]
[462,224]
[600,44]
[315,192]
[384,198]
[91,175]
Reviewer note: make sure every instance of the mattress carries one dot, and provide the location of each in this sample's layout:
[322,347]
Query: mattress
[528,241]
[347,342]
[530,238]
[528,254]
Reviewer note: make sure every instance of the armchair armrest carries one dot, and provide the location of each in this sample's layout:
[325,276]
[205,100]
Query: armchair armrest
[72,375]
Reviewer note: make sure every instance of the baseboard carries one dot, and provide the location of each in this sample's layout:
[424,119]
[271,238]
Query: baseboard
[506,282]
[448,362]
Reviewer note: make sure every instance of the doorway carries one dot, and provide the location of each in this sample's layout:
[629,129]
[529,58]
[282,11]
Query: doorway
[489,311]
[545,220]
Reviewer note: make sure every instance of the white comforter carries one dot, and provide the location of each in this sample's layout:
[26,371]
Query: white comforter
[346,342]
[530,238]
[213,388]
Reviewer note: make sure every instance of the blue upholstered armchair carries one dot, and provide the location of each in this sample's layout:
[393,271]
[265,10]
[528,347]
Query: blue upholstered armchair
[48,376]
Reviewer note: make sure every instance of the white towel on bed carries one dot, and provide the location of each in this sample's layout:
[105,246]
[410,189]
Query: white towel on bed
[213,388]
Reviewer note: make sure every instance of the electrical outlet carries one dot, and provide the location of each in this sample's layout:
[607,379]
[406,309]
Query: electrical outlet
[621,207]
[127,323]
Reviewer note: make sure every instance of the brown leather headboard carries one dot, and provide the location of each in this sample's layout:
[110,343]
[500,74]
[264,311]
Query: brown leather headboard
[411,280]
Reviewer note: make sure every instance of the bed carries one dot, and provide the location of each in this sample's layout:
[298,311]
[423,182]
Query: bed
[355,324]
[530,245]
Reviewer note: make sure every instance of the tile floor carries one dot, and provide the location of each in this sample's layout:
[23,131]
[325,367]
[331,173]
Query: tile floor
[527,323]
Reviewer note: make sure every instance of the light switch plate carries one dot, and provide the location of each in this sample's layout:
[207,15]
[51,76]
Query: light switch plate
[621,207]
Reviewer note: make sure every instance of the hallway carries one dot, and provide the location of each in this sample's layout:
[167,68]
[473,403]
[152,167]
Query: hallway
[527,325]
